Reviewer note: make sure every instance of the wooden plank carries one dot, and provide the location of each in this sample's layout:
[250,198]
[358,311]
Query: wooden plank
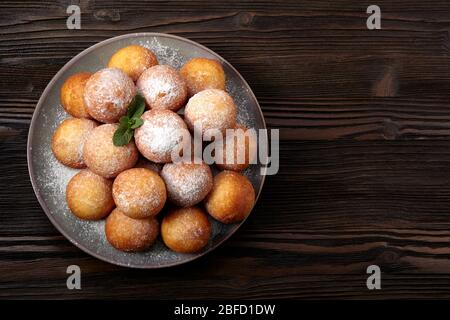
[364,121]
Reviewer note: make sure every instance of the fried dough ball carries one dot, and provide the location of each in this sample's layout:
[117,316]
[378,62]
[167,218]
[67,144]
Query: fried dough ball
[232,197]
[240,152]
[127,234]
[203,73]
[68,141]
[103,157]
[186,230]
[89,196]
[162,88]
[162,133]
[139,193]
[187,183]
[72,92]
[133,60]
[212,109]
[108,93]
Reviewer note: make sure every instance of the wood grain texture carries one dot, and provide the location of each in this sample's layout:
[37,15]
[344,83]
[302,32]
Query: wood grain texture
[364,119]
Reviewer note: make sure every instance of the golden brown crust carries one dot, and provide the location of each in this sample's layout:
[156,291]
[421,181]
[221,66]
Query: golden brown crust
[139,193]
[202,73]
[103,157]
[127,234]
[241,151]
[133,60]
[212,109]
[186,230]
[72,92]
[232,197]
[68,141]
[89,196]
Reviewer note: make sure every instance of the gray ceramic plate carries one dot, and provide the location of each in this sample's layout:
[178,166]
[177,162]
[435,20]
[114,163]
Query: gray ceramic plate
[49,177]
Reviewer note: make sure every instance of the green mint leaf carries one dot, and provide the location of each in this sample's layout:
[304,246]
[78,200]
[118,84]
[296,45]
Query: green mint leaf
[124,121]
[131,121]
[132,107]
[137,123]
[128,135]
[137,107]
[122,136]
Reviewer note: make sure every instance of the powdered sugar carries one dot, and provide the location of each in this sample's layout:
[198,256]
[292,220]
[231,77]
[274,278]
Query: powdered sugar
[240,96]
[187,184]
[108,93]
[139,192]
[162,88]
[161,133]
[103,157]
[54,175]
[165,54]
[131,198]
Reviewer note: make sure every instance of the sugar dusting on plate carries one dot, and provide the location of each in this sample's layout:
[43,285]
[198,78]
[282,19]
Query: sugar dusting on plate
[54,176]
[165,54]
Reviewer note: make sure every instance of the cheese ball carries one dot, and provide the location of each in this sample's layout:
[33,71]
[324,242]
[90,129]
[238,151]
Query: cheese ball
[89,196]
[103,157]
[163,88]
[232,197]
[187,183]
[186,230]
[131,235]
[68,141]
[203,73]
[162,133]
[108,93]
[139,193]
[212,109]
[237,154]
[72,93]
[133,60]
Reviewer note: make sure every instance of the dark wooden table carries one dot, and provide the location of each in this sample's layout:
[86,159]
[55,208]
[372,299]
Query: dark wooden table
[365,153]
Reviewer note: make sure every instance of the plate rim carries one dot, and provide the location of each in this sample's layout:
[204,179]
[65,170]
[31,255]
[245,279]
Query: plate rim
[39,105]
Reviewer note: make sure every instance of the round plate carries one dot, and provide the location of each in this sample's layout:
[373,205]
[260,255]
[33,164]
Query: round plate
[49,177]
